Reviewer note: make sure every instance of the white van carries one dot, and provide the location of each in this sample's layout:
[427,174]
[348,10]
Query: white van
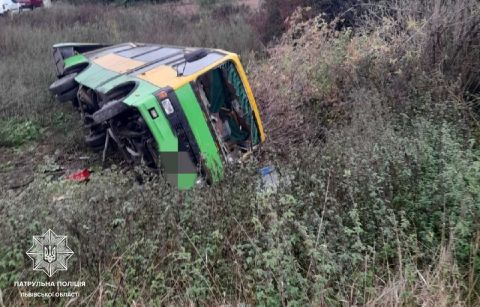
[9,6]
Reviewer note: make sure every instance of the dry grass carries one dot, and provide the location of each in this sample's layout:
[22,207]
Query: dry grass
[26,41]
[402,49]
[437,286]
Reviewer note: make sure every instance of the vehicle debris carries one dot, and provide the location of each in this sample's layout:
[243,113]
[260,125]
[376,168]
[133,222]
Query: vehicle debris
[80,176]
[270,179]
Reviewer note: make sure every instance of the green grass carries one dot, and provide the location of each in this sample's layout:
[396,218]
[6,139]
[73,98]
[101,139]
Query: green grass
[17,132]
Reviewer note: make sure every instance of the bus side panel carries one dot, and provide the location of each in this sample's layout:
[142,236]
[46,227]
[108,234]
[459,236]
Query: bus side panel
[198,124]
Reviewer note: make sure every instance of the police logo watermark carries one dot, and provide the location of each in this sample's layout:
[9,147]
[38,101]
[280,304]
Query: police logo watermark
[49,253]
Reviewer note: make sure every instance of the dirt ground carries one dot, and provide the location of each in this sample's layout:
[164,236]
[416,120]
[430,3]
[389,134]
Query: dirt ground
[19,166]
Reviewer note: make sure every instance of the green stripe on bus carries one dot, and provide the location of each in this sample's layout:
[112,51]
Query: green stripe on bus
[200,130]
[74,60]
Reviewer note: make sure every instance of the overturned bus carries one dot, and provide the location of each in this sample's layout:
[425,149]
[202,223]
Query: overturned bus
[186,111]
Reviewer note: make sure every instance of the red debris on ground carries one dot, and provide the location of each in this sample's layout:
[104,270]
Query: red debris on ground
[82,175]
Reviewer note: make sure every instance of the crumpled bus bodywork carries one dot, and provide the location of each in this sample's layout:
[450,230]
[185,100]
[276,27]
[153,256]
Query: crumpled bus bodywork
[187,111]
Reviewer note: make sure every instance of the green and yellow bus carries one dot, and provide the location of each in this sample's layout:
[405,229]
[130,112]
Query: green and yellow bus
[187,111]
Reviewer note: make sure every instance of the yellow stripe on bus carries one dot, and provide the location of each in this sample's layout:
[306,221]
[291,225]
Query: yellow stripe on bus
[160,76]
[117,63]
[163,76]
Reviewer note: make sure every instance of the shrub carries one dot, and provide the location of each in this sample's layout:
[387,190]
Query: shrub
[14,133]
[271,21]
[310,75]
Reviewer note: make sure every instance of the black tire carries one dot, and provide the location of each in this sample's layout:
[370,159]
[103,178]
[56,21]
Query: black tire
[89,123]
[68,96]
[63,84]
[74,69]
[109,110]
[95,141]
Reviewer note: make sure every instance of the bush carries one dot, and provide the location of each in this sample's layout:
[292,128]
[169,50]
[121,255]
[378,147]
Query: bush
[14,133]
[271,21]
[311,74]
